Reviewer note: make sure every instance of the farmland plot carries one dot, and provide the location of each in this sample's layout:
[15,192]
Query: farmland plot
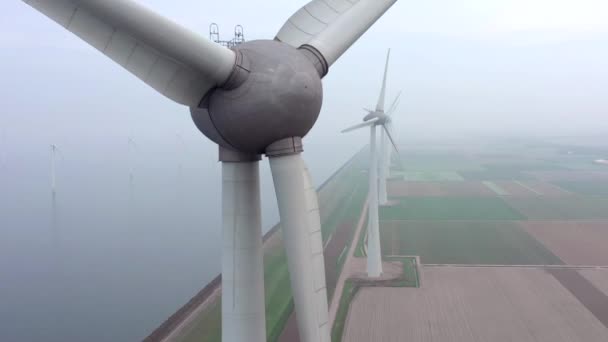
[474,304]
[560,208]
[464,242]
[450,208]
[575,243]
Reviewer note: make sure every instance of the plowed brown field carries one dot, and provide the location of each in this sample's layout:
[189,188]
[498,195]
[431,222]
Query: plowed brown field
[576,243]
[474,304]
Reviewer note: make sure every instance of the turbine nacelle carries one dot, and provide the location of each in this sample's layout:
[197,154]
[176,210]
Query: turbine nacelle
[381,117]
[275,92]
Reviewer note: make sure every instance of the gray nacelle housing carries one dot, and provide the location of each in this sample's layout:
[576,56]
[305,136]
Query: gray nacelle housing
[280,97]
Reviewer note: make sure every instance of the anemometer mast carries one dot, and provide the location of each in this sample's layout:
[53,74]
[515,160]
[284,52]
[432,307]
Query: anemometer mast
[239,36]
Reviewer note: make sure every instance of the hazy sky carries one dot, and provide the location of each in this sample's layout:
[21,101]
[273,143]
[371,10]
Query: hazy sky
[466,68]
[469,65]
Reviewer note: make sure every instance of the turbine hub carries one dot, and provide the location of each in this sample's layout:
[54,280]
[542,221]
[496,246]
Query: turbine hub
[276,93]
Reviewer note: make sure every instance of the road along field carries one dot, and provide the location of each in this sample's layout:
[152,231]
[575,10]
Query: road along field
[459,304]
[574,242]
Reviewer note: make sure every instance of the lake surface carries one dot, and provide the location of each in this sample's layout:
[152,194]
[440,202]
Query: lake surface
[108,259]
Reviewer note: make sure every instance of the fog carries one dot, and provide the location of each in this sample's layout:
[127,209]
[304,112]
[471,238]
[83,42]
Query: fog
[466,69]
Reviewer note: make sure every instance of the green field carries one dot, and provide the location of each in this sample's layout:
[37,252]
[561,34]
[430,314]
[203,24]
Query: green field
[449,208]
[561,208]
[464,242]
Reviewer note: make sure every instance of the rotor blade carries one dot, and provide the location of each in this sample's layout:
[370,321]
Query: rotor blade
[394,105]
[365,124]
[381,99]
[331,27]
[171,59]
[390,137]
[301,227]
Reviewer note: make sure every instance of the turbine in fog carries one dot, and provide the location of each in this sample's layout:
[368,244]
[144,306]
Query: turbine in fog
[377,117]
[53,169]
[260,97]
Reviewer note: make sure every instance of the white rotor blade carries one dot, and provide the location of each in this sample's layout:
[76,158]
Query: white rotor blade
[394,105]
[390,137]
[175,61]
[332,26]
[365,124]
[301,226]
[381,99]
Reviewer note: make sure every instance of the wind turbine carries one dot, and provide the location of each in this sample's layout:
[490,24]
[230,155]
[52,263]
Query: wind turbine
[386,154]
[377,117]
[260,97]
[53,170]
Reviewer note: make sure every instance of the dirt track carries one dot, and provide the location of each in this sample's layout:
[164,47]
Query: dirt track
[474,304]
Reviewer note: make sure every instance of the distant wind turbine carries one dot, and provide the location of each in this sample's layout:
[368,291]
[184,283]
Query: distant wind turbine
[53,171]
[377,117]
[54,152]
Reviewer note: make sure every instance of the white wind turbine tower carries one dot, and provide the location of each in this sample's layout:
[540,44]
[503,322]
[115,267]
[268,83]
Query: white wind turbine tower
[377,117]
[53,169]
[260,97]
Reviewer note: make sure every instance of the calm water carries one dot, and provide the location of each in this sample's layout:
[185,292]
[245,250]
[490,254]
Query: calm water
[108,260]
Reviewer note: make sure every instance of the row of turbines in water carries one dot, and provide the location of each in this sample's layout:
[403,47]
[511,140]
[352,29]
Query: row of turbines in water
[132,150]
